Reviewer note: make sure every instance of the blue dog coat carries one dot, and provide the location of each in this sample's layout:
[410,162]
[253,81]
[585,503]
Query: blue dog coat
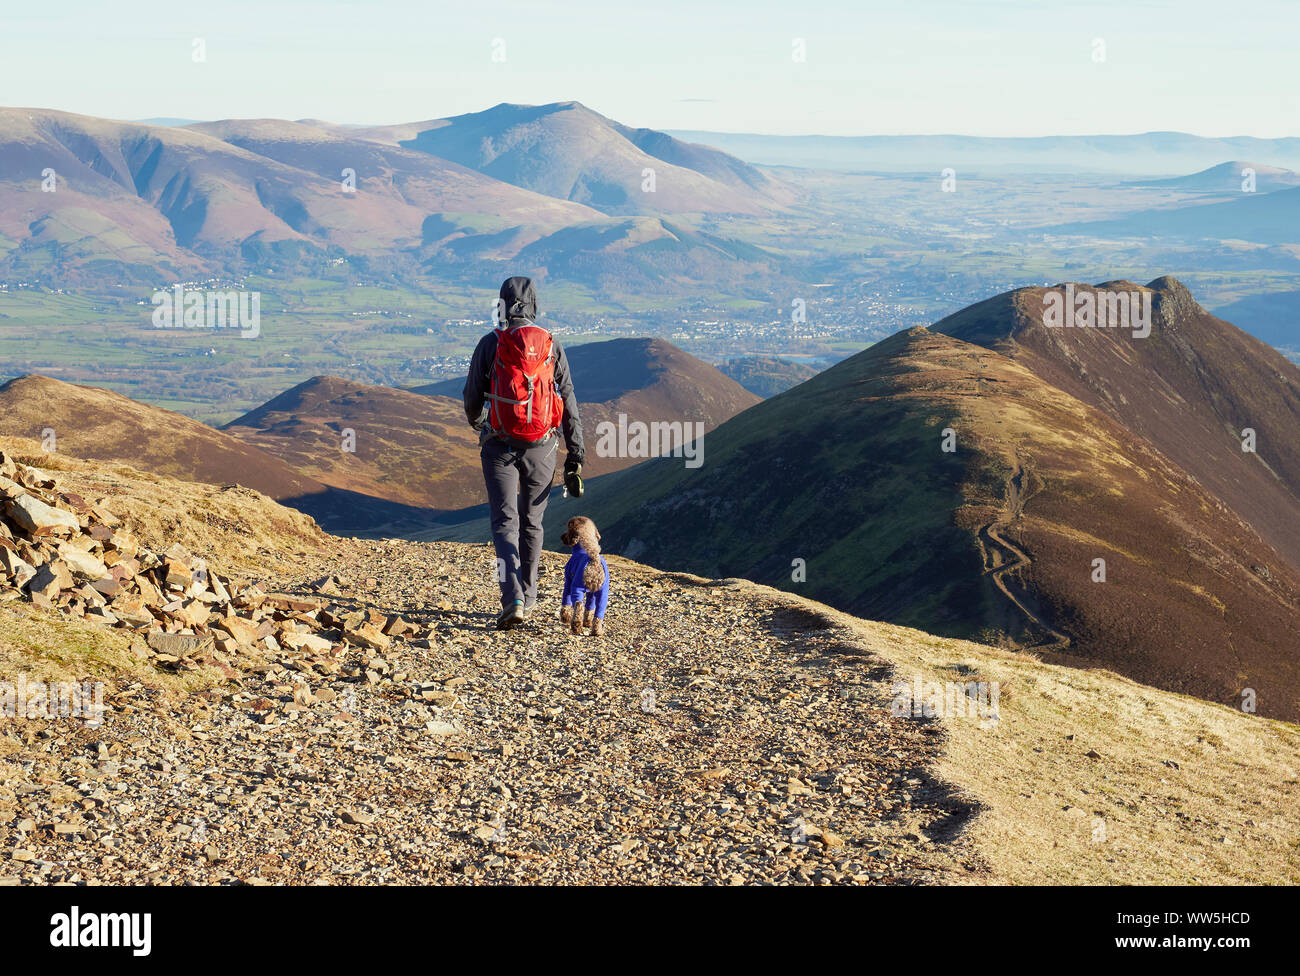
[575,594]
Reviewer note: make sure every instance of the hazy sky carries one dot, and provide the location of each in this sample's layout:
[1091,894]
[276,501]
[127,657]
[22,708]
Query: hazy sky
[983,67]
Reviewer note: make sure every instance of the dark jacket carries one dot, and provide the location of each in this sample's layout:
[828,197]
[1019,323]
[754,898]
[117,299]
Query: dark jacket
[517,306]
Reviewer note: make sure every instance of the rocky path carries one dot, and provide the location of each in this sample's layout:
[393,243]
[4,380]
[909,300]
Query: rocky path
[1004,557]
[714,735]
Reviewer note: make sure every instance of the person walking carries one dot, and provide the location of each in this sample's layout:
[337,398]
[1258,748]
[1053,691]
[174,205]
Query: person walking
[519,397]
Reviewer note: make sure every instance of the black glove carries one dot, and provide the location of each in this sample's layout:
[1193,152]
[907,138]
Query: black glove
[573,477]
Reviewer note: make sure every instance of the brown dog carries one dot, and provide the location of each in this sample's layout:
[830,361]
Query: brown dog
[586,578]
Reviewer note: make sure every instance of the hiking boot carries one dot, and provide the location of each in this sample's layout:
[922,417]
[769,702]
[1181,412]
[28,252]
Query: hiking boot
[511,616]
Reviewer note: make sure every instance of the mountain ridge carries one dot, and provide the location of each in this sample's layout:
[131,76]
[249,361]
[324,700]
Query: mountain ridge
[1202,367]
[998,536]
[150,201]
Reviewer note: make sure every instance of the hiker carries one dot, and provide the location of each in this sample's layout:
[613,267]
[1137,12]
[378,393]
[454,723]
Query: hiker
[518,394]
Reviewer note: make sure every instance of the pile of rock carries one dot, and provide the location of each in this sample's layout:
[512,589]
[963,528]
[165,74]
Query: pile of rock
[65,553]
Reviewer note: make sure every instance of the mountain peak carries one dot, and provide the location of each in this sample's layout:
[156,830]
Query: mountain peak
[1082,442]
[1171,286]
[31,381]
[572,152]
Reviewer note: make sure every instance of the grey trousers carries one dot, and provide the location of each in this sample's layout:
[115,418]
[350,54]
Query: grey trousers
[518,488]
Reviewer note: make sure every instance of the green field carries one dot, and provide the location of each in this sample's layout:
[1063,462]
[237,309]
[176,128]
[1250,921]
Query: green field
[869,254]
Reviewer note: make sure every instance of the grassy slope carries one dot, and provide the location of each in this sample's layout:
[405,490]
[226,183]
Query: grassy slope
[1180,792]
[98,423]
[890,550]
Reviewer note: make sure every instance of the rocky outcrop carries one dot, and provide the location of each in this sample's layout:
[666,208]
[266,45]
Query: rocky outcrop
[64,553]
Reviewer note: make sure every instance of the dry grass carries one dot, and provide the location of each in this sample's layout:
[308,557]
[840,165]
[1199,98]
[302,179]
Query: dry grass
[1181,791]
[237,530]
[46,646]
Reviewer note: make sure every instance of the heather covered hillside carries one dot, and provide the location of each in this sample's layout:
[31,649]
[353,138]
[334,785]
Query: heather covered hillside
[967,479]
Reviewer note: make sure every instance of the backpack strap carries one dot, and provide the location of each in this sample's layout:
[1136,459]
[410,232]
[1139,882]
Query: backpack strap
[518,403]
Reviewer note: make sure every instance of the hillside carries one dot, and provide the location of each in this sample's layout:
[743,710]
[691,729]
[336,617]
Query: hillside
[649,380]
[770,755]
[641,253]
[99,424]
[847,477]
[646,380]
[567,151]
[407,448]
[409,454]
[766,376]
[1188,389]
[1226,178]
[107,426]
[1261,218]
[438,201]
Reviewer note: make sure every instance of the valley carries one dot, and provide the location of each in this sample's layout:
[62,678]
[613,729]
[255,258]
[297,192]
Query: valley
[830,262]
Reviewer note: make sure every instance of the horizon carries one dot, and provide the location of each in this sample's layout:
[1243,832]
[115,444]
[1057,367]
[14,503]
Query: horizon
[180,122]
[1008,69]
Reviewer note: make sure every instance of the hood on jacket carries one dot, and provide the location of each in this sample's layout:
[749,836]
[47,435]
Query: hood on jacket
[518,300]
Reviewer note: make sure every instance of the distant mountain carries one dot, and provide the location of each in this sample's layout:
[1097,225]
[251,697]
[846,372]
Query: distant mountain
[567,151]
[1071,445]
[1227,178]
[166,120]
[404,457]
[154,201]
[409,189]
[651,381]
[88,200]
[646,380]
[766,376]
[375,441]
[638,254]
[1156,153]
[1272,317]
[1263,218]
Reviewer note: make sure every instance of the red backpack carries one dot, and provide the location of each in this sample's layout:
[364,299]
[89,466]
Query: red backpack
[524,403]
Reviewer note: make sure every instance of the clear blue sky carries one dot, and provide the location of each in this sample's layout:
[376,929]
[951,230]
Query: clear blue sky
[984,67]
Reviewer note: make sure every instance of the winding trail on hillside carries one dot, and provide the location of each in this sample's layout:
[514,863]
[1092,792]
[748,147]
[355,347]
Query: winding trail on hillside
[1007,558]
